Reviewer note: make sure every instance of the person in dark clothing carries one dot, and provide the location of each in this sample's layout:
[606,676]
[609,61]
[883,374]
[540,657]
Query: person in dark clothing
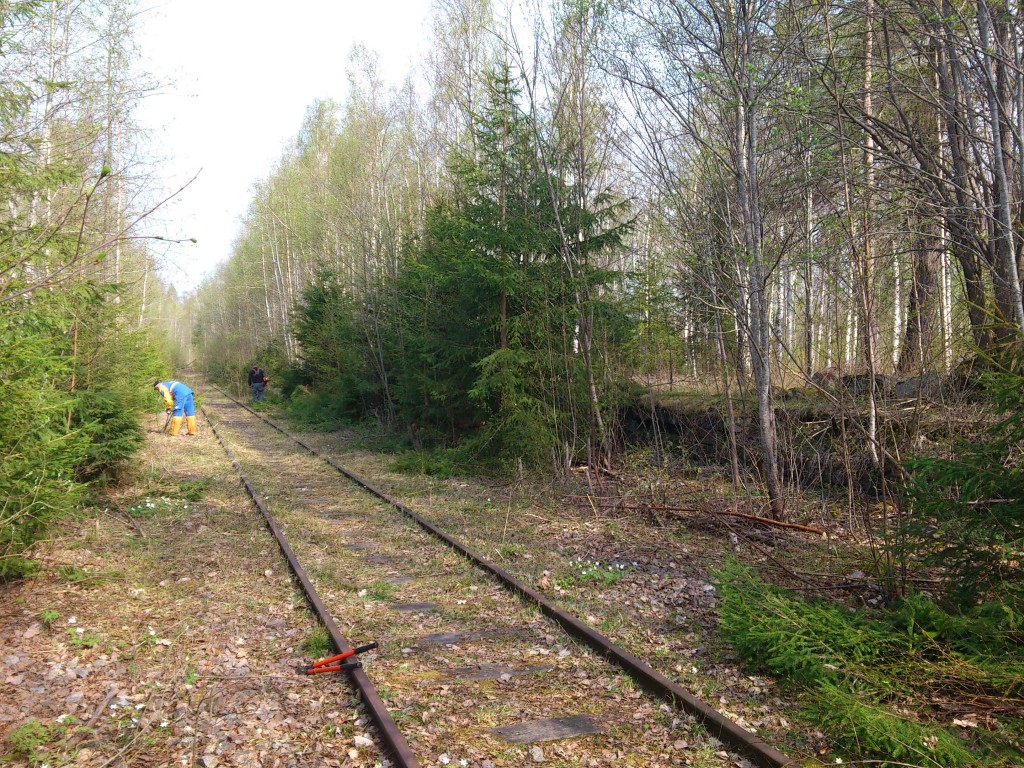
[257,381]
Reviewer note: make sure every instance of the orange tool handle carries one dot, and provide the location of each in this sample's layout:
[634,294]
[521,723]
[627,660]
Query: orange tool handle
[345,655]
[333,668]
[329,659]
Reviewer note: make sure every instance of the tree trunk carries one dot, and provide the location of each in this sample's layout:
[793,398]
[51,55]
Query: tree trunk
[1008,291]
[750,212]
[919,333]
[734,460]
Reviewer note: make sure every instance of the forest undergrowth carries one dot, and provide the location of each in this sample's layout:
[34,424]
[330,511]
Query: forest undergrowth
[910,683]
[929,671]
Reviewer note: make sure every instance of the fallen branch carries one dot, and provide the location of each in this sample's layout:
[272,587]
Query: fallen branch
[647,508]
[124,517]
[778,523]
[741,515]
[86,730]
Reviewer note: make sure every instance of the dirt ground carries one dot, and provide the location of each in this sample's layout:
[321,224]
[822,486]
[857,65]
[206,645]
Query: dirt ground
[163,630]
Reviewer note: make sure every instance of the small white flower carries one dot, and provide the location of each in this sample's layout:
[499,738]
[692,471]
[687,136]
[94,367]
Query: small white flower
[164,723]
[79,631]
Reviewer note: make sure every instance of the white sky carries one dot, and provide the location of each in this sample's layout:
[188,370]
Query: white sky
[239,76]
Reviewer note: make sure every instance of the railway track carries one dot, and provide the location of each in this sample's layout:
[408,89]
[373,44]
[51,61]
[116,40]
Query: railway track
[473,666]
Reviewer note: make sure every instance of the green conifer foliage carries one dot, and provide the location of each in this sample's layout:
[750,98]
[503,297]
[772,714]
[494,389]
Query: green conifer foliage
[492,312]
[38,454]
[75,360]
[71,406]
[969,508]
[872,680]
[334,350]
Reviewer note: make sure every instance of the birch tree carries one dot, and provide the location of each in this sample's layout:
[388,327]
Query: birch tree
[719,58]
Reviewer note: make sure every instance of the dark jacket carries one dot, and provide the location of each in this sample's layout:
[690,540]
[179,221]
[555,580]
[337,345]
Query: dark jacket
[256,376]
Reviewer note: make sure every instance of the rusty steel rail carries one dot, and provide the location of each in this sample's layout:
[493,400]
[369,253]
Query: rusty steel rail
[392,736]
[749,744]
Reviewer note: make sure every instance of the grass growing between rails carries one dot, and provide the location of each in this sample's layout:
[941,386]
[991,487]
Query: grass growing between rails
[912,685]
[318,643]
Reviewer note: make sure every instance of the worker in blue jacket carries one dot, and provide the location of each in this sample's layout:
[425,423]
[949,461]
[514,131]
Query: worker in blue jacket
[178,400]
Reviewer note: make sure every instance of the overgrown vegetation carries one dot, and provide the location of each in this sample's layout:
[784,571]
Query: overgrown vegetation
[75,353]
[493,287]
[29,740]
[467,342]
[968,510]
[912,684]
[318,643]
[937,679]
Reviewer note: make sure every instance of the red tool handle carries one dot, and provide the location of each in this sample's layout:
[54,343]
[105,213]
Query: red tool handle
[329,659]
[334,668]
[361,649]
